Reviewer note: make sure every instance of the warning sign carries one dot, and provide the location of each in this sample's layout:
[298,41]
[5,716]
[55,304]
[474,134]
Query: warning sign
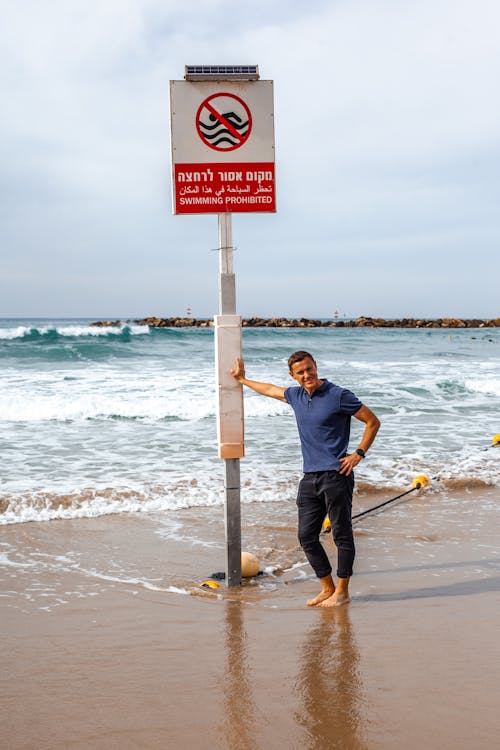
[222,146]
[224,122]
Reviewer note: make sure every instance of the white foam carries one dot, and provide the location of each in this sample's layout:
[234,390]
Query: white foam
[75,331]
[100,395]
[176,590]
[39,508]
[145,583]
[72,331]
[488,386]
[14,333]
[7,562]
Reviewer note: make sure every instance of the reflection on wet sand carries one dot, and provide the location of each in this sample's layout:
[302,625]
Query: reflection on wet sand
[329,684]
[238,726]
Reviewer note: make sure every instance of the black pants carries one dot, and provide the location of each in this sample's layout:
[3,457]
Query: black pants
[321,493]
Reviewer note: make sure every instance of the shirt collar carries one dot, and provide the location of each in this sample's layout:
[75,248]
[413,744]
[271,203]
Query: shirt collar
[321,388]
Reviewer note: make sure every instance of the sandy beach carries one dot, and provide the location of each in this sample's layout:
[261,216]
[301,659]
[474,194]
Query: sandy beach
[106,644]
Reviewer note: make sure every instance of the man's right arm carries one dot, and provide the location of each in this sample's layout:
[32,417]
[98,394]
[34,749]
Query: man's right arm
[265,389]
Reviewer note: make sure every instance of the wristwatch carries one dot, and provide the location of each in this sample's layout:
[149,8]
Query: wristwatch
[360,452]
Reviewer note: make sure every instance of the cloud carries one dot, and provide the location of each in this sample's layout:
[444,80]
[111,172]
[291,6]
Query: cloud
[387,139]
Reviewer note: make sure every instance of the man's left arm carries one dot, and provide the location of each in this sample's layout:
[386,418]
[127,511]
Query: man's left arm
[372,424]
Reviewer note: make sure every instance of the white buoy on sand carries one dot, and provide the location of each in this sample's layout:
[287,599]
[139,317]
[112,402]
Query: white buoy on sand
[249,565]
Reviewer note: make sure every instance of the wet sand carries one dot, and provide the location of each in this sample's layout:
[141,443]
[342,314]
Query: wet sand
[103,648]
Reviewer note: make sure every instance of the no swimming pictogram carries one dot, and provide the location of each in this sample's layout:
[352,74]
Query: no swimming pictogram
[223,122]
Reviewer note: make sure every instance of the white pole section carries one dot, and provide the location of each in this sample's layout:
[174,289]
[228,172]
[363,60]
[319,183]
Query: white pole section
[229,399]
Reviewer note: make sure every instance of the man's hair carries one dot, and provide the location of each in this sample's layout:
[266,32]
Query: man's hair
[298,357]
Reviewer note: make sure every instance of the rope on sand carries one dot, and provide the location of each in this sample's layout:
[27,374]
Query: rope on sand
[419,482]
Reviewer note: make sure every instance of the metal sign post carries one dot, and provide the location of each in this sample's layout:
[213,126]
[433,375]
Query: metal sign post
[229,399]
[222,126]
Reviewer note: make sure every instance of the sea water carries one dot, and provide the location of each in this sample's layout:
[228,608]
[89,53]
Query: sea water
[98,421]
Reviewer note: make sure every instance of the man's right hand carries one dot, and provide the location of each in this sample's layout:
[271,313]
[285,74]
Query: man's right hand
[265,389]
[238,371]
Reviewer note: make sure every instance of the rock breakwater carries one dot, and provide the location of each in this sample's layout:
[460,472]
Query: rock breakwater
[361,322]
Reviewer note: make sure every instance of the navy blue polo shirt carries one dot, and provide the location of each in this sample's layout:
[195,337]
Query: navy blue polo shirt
[324,423]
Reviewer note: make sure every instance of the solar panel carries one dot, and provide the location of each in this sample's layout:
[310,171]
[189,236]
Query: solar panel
[221,72]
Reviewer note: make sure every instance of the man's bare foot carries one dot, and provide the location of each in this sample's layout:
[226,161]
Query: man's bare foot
[323,596]
[335,600]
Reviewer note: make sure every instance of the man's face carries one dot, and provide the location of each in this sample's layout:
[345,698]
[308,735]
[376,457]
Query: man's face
[305,373]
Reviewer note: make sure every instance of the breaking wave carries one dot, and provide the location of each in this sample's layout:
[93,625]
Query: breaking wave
[185,494]
[56,333]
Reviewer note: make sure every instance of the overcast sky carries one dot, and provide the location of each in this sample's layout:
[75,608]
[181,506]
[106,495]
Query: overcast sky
[387,119]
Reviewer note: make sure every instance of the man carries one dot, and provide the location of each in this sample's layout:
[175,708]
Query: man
[323,412]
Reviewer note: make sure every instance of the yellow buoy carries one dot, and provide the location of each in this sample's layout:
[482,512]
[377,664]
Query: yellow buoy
[249,565]
[421,480]
[210,584]
[326,525]
[496,440]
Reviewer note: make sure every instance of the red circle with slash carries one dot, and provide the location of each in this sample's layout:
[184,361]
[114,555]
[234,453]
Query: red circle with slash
[223,122]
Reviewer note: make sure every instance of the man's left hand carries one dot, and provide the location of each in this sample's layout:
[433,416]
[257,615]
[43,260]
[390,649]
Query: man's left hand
[347,463]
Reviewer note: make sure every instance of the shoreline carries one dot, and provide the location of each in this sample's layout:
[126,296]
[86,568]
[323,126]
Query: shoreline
[280,322]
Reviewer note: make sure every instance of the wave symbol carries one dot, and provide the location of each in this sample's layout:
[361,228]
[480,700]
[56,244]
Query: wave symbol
[216,132]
